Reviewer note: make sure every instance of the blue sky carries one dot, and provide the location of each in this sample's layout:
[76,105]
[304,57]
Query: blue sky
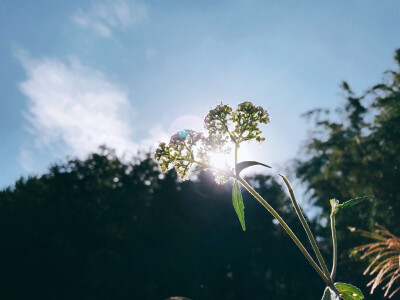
[75,74]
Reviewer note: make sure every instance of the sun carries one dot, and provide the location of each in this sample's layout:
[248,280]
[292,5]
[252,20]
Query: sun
[219,160]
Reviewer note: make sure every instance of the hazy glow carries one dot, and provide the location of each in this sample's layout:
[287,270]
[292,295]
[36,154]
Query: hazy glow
[221,160]
[192,122]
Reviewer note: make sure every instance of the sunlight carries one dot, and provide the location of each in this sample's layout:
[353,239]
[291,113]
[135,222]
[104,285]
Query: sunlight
[220,160]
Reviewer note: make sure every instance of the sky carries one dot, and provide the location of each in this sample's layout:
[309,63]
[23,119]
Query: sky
[126,73]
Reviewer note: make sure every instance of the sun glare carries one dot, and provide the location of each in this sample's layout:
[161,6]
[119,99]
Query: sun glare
[220,160]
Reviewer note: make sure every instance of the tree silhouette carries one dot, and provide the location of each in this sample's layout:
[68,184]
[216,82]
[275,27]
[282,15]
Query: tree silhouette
[100,228]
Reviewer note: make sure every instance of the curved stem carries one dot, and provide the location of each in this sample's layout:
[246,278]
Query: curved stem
[306,227]
[334,242]
[260,199]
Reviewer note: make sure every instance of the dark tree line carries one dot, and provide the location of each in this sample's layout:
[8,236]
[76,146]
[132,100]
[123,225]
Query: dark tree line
[103,229]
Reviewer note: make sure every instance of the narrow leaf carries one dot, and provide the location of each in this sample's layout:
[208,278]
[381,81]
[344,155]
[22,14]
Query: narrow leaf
[197,169]
[349,292]
[350,203]
[329,295]
[326,295]
[237,201]
[245,164]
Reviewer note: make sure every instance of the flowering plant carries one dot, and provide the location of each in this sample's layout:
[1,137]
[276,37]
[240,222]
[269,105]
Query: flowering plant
[225,130]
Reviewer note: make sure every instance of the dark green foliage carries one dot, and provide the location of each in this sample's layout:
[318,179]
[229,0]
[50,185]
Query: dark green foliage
[237,201]
[350,203]
[104,229]
[349,292]
[356,152]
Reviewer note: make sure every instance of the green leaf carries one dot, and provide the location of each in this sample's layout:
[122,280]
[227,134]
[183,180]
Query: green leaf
[245,164]
[197,169]
[349,292]
[329,295]
[350,203]
[237,201]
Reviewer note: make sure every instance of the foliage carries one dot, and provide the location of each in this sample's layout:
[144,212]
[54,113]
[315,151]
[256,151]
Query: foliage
[339,207]
[237,200]
[384,255]
[101,228]
[355,151]
[349,292]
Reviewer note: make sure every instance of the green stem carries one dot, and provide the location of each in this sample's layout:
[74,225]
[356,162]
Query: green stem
[236,153]
[334,241]
[260,199]
[244,127]
[306,227]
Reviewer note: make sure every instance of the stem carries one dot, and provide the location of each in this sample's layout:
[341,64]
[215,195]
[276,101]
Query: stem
[244,127]
[306,227]
[334,242]
[236,153]
[260,199]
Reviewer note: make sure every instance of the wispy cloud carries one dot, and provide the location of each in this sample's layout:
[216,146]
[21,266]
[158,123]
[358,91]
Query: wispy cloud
[105,16]
[72,109]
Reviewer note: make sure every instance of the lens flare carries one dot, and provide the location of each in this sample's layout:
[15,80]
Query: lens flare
[220,160]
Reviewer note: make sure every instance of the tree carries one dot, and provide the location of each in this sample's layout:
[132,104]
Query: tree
[356,152]
[100,228]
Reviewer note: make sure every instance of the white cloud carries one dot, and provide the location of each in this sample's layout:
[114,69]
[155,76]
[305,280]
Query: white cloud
[72,109]
[102,17]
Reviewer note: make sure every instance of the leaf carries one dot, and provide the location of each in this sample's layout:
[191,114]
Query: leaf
[197,169]
[349,292]
[245,164]
[326,295]
[350,203]
[329,295]
[237,201]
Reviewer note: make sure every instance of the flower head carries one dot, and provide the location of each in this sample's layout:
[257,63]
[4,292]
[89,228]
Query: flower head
[224,128]
[247,118]
[179,152]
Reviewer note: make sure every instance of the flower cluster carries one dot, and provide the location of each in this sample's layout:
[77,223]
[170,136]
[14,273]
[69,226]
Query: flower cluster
[237,125]
[216,123]
[179,152]
[247,118]
[225,128]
